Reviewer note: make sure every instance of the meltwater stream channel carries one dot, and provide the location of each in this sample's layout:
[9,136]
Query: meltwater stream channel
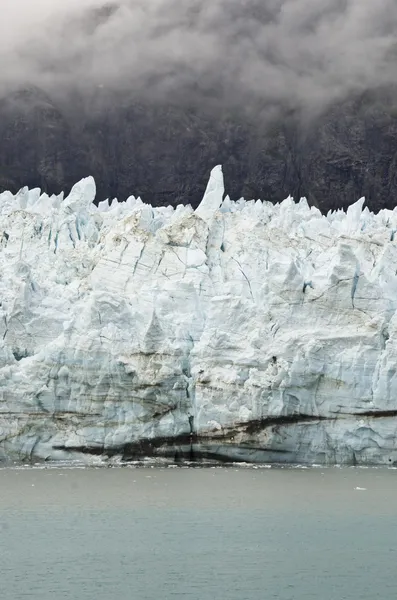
[198,534]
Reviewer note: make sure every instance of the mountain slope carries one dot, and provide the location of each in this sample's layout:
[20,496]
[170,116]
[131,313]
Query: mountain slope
[164,152]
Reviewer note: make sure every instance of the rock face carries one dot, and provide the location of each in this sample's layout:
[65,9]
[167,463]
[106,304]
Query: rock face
[164,152]
[239,331]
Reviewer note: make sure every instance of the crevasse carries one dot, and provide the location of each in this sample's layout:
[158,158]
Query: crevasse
[238,331]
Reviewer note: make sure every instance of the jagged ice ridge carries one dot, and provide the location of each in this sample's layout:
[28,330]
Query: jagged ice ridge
[238,331]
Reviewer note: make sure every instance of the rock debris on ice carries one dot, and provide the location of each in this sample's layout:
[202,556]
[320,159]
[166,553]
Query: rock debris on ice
[239,331]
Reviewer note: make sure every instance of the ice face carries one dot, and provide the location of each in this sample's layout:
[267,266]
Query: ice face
[241,330]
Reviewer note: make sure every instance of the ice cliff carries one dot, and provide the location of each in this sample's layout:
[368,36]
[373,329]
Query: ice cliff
[238,331]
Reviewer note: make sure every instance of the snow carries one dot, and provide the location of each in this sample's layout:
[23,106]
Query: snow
[268,330]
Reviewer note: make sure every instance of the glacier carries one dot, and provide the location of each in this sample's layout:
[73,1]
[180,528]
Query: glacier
[239,331]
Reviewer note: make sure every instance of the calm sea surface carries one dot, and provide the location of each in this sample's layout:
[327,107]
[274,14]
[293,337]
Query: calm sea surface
[198,534]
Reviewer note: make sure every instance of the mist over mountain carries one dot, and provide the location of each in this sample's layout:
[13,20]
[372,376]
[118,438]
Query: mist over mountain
[291,96]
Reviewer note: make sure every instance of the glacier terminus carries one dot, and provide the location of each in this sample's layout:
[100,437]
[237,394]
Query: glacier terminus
[239,331]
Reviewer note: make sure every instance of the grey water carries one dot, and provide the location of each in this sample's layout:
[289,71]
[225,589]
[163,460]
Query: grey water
[198,534]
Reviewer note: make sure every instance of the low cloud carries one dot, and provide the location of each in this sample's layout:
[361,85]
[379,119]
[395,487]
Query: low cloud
[294,52]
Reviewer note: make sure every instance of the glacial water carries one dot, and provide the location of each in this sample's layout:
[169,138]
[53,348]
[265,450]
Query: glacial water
[198,534]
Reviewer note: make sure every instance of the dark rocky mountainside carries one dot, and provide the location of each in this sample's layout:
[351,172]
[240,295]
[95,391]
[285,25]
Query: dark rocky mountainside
[164,153]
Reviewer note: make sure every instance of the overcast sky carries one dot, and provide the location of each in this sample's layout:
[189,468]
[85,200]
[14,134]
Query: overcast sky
[298,51]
